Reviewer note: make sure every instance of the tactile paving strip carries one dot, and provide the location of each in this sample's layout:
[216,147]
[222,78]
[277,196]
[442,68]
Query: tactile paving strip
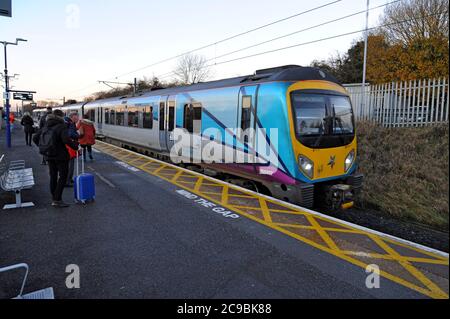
[418,269]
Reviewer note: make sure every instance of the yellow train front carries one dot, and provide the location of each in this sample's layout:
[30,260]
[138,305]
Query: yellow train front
[322,129]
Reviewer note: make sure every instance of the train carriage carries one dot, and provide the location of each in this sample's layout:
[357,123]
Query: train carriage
[303,146]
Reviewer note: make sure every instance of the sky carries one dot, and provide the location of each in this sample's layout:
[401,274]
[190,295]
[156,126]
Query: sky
[73,44]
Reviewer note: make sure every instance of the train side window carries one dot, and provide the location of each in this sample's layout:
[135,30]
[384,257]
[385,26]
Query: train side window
[107,116]
[90,115]
[148,117]
[246,112]
[120,116]
[112,118]
[162,116]
[197,116]
[193,118]
[133,117]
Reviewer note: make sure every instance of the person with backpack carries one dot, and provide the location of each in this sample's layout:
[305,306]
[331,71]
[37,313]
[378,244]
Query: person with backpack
[52,140]
[42,121]
[27,123]
[86,130]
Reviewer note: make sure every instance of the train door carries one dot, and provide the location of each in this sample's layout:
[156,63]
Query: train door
[170,111]
[166,122]
[247,120]
[162,123]
[99,118]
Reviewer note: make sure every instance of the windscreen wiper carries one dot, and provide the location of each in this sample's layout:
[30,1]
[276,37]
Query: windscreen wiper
[325,120]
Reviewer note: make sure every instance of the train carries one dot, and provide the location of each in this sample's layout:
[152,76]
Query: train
[303,148]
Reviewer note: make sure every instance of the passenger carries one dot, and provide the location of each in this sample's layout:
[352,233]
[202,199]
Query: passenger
[42,124]
[58,161]
[44,117]
[11,121]
[27,123]
[71,122]
[86,130]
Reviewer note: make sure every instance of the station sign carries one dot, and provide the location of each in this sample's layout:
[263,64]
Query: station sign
[5,8]
[23,96]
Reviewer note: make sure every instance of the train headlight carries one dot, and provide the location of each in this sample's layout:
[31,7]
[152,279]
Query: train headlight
[349,160]
[306,166]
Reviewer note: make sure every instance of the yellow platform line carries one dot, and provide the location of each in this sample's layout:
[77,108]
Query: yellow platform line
[328,229]
[433,291]
[225,195]
[410,268]
[198,184]
[240,196]
[323,233]
[390,257]
[265,210]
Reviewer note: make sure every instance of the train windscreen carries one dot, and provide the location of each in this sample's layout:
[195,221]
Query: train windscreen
[320,118]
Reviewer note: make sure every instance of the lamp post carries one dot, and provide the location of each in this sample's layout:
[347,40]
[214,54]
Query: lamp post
[7,106]
[363,84]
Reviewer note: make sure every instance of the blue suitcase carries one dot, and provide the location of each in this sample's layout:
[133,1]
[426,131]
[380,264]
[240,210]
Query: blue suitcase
[84,185]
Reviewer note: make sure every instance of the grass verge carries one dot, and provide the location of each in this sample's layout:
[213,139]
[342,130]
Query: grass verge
[406,172]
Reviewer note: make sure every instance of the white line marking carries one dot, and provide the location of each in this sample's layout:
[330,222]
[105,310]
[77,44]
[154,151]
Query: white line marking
[368,230]
[129,167]
[205,203]
[104,179]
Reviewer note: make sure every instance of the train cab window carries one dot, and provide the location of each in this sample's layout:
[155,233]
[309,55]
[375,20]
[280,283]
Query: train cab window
[147,117]
[310,113]
[171,116]
[133,117]
[162,116]
[246,112]
[120,116]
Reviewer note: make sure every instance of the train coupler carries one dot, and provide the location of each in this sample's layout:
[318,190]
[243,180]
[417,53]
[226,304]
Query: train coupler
[340,196]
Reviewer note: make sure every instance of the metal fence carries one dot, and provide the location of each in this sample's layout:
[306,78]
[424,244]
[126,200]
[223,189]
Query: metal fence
[409,103]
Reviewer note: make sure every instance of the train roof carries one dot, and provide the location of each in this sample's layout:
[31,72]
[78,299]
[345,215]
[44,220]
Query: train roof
[282,73]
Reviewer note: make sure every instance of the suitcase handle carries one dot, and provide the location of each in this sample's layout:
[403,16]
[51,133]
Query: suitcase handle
[82,162]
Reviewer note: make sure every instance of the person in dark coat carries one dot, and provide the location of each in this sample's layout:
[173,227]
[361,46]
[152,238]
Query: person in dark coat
[58,163]
[42,124]
[27,123]
[44,117]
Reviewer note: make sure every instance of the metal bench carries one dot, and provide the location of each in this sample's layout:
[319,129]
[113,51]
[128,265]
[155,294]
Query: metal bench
[14,177]
[46,293]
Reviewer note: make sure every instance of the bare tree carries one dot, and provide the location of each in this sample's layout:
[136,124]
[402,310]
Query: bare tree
[416,20]
[192,69]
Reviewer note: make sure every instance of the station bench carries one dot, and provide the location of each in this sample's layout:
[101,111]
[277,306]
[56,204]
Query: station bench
[14,177]
[46,293]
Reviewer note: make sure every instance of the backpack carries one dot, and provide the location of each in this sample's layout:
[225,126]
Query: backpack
[47,142]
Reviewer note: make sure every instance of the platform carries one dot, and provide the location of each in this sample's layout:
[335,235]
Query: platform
[159,231]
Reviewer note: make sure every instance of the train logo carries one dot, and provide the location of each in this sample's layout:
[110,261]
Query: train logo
[332,161]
